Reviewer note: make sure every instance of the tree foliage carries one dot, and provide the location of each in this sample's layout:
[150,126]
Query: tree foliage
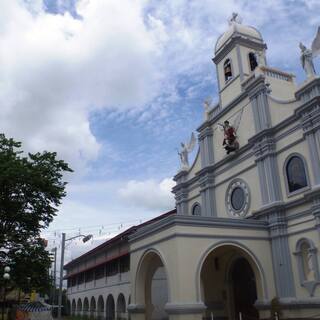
[29,267]
[31,189]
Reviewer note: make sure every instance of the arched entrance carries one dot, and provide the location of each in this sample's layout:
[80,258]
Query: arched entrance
[110,308]
[152,286]
[230,283]
[244,290]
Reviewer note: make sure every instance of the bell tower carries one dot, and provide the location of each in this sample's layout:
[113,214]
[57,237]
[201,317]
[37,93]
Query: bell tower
[238,52]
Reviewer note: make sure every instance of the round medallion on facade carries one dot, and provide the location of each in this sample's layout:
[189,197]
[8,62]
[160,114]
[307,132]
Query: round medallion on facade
[237,198]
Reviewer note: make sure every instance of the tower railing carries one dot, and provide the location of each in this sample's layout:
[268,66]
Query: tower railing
[277,74]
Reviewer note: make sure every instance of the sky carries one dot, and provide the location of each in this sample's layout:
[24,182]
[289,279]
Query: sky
[114,86]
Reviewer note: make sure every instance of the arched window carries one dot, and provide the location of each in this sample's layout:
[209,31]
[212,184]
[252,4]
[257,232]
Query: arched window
[196,210]
[252,61]
[308,267]
[296,173]
[227,70]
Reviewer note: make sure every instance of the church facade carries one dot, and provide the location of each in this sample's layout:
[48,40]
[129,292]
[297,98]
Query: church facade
[244,243]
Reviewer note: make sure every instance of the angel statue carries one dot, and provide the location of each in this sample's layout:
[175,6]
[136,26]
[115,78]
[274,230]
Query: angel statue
[260,56]
[185,150]
[307,55]
[230,141]
[207,106]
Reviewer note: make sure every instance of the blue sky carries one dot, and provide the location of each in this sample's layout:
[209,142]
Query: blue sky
[115,86]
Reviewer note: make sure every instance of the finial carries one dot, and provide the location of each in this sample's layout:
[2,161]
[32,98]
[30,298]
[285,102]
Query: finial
[207,105]
[235,18]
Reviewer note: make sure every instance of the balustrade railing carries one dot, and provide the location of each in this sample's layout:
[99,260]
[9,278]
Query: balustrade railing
[277,74]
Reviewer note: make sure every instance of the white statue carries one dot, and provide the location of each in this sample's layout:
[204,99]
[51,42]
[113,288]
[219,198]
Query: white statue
[311,274]
[207,107]
[186,148]
[260,56]
[307,55]
[307,61]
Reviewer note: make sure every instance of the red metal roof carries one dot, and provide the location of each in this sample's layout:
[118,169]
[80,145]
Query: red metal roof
[123,236]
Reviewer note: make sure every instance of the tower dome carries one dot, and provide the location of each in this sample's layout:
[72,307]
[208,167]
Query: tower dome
[238,29]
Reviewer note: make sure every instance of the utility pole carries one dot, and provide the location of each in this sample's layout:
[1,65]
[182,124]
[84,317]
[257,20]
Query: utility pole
[54,250]
[63,243]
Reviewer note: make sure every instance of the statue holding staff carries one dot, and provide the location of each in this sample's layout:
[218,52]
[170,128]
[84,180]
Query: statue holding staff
[186,148]
[307,55]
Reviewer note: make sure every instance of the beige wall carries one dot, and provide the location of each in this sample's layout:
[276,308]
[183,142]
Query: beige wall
[183,256]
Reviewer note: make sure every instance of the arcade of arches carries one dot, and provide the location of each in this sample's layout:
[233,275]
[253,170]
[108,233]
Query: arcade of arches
[101,309]
[229,284]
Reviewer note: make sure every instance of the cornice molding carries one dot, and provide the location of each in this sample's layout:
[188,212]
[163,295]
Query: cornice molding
[237,38]
[198,221]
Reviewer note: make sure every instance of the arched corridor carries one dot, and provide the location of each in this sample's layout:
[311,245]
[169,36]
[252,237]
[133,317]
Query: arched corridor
[110,308]
[85,311]
[92,307]
[121,307]
[79,307]
[100,313]
[73,307]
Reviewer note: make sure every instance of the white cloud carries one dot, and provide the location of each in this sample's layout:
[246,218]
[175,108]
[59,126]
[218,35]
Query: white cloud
[149,194]
[56,69]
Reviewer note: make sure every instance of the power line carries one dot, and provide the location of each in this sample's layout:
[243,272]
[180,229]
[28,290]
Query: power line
[103,226]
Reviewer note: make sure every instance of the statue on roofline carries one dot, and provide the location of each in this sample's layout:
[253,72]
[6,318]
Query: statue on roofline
[307,55]
[261,58]
[186,148]
[207,106]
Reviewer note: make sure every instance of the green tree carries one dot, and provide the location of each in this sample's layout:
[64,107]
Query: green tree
[30,267]
[31,189]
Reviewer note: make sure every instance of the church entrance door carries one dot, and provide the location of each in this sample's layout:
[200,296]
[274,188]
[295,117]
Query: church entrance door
[243,290]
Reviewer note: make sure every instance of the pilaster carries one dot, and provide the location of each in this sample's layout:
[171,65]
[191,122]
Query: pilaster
[314,196]
[182,201]
[309,115]
[316,213]
[281,257]
[257,91]
[206,147]
[263,142]
[181,192]
[206,183]
[264,149]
